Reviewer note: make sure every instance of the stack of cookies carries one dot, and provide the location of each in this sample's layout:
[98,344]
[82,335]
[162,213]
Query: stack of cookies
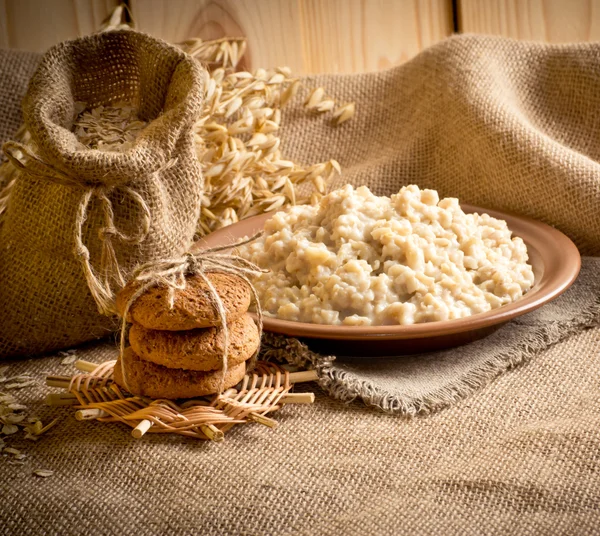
[177,352]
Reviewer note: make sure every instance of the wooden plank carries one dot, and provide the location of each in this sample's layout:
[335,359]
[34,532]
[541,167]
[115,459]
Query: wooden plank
[555,21]
[272,27]
[368,35]
[4,42]
[35,25]
[310,36]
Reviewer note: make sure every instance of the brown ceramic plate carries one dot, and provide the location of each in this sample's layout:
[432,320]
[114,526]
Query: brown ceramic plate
[555,260]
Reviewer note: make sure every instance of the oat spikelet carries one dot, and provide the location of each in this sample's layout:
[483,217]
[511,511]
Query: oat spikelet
[238,139]
[225,52]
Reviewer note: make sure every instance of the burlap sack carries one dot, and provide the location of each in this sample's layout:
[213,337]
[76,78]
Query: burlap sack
[78,220]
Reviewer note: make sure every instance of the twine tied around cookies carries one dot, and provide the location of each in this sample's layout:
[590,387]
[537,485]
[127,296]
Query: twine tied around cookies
[98,280]
[171,274]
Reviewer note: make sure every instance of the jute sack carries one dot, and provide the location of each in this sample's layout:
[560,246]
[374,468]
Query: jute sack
[76,221]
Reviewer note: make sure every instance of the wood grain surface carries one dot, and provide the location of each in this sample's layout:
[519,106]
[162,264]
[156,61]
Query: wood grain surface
[554,21]
[271,26]
[36,25]
[368,35]
[310,36]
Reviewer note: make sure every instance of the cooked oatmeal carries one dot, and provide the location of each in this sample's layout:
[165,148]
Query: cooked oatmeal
[359,259]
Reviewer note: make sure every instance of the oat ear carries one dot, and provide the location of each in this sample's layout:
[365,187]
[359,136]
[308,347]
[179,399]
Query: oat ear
[238,141]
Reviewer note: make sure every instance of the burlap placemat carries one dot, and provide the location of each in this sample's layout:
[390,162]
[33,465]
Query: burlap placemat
[521,456]
[495,122]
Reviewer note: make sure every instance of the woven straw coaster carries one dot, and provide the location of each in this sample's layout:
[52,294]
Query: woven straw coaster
[96,396]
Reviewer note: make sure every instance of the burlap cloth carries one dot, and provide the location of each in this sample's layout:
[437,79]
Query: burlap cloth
[498,123]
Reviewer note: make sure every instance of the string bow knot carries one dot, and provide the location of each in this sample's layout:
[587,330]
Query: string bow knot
[171,274]
[98,281]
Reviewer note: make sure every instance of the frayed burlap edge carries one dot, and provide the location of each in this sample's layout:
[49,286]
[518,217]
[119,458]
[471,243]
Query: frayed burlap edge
[346,388]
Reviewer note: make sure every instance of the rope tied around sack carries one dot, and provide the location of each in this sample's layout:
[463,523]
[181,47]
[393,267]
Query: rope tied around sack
[171,274]
[98,280]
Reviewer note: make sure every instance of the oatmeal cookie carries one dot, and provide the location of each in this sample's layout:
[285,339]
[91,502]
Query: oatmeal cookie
[196,349]
[155,381]
[193,307]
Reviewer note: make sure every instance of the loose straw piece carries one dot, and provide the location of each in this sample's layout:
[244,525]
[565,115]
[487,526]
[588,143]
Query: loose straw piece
[58,381]
[141,428]
[294,377]
[261,419]
[90,414]
[303,376]
[85,366]
[47,427]
[212,432]
[298,398]
[61,399]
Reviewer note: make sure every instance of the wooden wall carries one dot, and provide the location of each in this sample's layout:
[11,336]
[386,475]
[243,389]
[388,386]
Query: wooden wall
[38,24]
[310,36]
[554,21]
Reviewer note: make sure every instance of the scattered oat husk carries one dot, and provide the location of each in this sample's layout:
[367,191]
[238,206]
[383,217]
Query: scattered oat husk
[9,429]
[44,473]
[344,113]
[69,357]
[14,418]
[107,128]
[19,384]
[119,19]
[19,379]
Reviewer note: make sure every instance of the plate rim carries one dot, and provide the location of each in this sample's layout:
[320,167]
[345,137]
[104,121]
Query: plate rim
[564,273]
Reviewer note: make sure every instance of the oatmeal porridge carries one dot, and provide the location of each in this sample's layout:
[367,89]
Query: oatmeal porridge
[360,259]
